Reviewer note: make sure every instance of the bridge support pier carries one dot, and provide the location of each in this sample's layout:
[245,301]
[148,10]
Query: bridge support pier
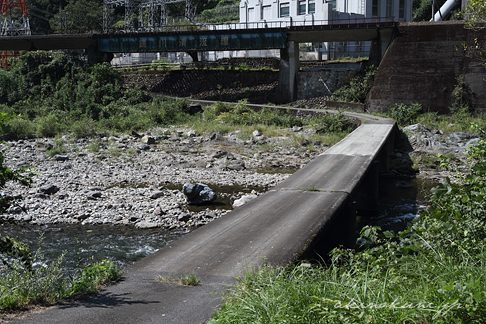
[94,56]
[289,66]
[367,195]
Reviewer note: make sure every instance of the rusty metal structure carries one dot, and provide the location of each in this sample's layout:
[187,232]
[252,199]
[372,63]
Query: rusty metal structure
[14,22]
[150,15]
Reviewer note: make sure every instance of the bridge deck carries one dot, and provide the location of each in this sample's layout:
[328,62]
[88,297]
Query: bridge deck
[278,227]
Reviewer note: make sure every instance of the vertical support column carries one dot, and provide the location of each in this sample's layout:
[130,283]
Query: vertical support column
[348,219]
[289,66]
[376,50]
[367,194]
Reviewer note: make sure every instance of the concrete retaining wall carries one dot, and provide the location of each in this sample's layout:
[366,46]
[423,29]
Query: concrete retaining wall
[422,65]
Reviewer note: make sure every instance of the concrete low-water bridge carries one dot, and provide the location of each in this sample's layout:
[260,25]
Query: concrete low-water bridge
[287,224]
[283,35]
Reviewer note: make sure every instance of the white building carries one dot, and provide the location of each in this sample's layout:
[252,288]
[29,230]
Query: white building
[309,12]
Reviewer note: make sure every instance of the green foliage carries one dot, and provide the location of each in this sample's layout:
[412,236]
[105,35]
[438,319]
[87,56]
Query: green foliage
[23,283]
[475,13]
[358,87]
[240,114]
[187,280]
[333,123]
[405,114]
[432,272]
[94,276]
[461,102]
[81,15]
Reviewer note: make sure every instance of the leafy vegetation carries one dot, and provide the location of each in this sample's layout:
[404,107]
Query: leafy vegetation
[405,114]
[358,87]
[55,93]
[187,280]
[33,280]
[432,272]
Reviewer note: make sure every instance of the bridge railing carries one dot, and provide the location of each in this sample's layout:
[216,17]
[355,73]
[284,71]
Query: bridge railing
[277,24]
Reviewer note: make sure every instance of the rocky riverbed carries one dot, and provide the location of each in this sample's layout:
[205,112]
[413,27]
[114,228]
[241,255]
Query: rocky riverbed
[137,179]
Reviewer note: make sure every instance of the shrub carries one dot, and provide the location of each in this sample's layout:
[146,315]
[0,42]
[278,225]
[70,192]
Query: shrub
[358,87]
[47,126]
[405,114]
[19,128]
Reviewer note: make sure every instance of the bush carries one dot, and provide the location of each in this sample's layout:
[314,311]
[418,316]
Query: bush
[19,128]
[405,114]
[47,126]
[358,87]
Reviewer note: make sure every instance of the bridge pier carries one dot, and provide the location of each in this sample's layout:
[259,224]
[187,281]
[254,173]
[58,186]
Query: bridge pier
[289,66]
[95,56]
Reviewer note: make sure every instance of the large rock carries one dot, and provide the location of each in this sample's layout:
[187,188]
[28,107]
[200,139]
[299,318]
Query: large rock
[198,193]
[49,189]
[243,200]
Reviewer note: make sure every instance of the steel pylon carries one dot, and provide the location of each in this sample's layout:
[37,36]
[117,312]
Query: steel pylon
[151,14]
[14,21]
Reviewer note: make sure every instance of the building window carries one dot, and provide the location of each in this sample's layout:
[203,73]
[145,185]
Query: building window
[401,9]
[312,6]
[389,8]
[302,7]
[284,9]
[375,8]
[333,4]
[251,14]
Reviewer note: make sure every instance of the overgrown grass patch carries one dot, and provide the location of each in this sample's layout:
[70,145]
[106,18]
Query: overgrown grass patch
[33,280]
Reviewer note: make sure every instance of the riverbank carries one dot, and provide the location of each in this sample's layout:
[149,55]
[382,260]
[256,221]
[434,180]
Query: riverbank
[126,181]
[137,179]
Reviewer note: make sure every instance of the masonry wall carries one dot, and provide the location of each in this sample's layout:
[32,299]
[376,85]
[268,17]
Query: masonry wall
[422,66]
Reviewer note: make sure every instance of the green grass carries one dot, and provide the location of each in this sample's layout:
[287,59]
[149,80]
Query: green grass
[23,283]
[187,280]
[432,287]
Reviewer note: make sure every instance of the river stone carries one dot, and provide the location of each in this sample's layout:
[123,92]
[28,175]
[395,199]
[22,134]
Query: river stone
[93,194]
[184,217]
[49,189]
[148,140]
[243,200]
[143,147]
[157,194]
[235,133]
[460,136]
[59,157]
[159,211]
[146,224]
[403,185]
[198,193]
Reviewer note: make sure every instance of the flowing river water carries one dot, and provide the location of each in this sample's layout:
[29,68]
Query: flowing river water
[126,245]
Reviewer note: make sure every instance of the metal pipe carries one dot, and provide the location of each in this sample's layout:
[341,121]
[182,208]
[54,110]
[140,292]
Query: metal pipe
[445,9]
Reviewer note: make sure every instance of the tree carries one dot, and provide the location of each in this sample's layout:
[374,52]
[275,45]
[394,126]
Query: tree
[475,18]
[475,13]
[84,15]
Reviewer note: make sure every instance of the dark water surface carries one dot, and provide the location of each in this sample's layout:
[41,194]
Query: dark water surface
[126,245]
[397,205]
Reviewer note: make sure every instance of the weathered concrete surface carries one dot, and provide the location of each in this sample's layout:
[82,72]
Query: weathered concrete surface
[305,215]
[422,66]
